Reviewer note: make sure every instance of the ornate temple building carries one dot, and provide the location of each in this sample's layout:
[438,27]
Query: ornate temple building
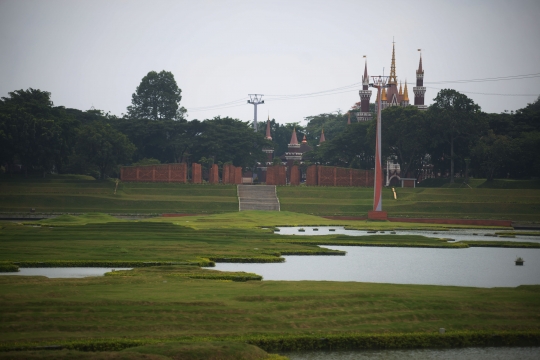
[396,95]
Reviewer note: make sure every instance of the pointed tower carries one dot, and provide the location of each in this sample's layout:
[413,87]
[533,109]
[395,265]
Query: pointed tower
[293,153]
[419,90]
[304,140]
[268,134]
[393,96]
[268,150]
[405,97]
[365,95]
[322,138]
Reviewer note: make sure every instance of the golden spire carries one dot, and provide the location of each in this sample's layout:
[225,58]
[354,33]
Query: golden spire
[405,92]
[400,89]
[383,96]
[393,78]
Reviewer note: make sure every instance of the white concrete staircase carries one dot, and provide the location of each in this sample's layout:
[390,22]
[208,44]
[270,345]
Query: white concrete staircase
[257,197]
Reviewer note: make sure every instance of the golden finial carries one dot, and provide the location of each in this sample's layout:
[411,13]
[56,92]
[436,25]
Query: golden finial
[400,89]
[383,96]
[405,92]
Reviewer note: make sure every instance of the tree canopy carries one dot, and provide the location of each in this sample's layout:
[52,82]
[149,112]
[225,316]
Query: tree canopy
[157,98]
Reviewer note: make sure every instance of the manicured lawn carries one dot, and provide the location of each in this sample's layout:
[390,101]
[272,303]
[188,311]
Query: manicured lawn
[507,200]
[476,203]
[158,305]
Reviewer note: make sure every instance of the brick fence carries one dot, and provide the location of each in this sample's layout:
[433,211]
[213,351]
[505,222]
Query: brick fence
[317,175]
[155,173]
[276,175]
[178,173]
[231,174]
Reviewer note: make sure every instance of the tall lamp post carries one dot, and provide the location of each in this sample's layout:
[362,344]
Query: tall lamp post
[379,82]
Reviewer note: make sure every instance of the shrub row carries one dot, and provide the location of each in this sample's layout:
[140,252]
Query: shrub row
[458,245]
[218,276]
[322,342]
[314,252]
[397,341]
[502,244]
[107,263]
[8,267]
[252,259]
[81,345]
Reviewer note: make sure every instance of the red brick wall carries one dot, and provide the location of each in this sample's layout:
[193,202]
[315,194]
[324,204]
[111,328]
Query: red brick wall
[295,176]
[196,173]
[311,176]
[213,176]
[276,175]
[326,175]
[154,173]
[362,178]
[225,176]
[237,175]
[343,177]
[335,176]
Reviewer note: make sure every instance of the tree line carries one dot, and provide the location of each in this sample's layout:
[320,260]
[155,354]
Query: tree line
[453,132]
[452,135]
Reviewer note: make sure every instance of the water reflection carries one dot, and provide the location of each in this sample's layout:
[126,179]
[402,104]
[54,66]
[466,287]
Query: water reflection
[456,234]
[489,353]
[73,272]
[477,267]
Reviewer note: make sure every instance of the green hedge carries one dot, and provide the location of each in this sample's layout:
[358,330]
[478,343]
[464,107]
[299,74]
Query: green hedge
[255,259]
[238,278]
[397,341]
[502,244]
[457,245]
[8,267]
[356,341]
[314,252]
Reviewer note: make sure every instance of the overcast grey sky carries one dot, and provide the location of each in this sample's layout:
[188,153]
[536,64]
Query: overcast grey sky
[95,52]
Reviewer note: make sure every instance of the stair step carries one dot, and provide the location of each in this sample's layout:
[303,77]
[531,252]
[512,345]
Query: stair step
[258,197]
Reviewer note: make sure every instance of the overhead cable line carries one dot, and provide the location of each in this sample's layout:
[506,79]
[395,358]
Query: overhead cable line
[353,87]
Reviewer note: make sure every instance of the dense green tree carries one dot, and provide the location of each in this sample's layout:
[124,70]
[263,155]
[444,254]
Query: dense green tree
[99,144]
[491,152]
[33,131]
[281,135]
[157,98]
[351,148]
[230,140]
[454,117]
[405,136]
[332,123]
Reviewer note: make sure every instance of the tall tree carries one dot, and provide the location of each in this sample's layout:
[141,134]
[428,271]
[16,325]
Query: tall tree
[157,98]
[453,116]
[33,131]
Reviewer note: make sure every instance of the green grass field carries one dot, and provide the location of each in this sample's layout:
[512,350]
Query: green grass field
[196,310]
[509,200]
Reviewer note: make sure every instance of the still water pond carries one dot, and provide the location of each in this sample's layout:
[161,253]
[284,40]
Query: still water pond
[455,234]
[477,267]
[490,353]
[73,272]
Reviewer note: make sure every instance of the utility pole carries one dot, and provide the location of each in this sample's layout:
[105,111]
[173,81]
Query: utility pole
[255,99]
[379,82]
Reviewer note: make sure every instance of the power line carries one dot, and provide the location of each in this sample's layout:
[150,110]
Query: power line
[353,87]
